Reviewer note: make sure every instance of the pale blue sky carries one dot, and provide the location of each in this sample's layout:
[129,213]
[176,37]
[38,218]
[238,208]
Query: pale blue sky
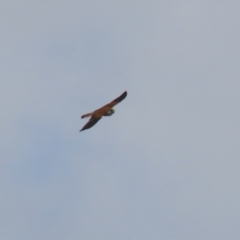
[165,166]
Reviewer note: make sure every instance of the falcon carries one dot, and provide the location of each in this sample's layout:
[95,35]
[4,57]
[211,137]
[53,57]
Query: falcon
[106,110]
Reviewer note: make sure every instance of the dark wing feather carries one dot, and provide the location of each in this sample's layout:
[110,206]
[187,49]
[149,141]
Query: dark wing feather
[90,123]
[117,100]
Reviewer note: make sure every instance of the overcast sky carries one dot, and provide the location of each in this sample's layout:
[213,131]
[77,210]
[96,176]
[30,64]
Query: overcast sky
[165,166]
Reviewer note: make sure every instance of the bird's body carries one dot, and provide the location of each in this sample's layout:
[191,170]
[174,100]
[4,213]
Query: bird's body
[106,110]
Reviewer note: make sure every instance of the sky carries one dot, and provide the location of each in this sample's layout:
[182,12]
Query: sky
[165,166]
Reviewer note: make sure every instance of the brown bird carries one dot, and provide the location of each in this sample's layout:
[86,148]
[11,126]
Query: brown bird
[106,110]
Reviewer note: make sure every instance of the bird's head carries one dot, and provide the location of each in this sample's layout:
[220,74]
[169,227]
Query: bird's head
[110,112]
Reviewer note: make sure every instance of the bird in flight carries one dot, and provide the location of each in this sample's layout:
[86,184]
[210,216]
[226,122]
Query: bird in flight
[106,110]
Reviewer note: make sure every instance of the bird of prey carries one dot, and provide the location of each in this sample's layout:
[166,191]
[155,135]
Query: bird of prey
[106,110]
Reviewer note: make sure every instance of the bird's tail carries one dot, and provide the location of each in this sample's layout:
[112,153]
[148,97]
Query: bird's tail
[87,115]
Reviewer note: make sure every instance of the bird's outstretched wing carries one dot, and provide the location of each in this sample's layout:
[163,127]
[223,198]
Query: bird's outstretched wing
[92,121]
[116,101]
